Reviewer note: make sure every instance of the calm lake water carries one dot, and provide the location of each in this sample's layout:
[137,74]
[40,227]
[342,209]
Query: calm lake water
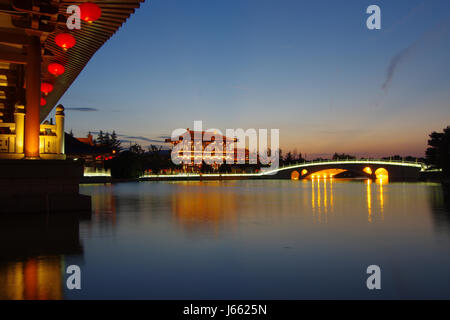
[236,240]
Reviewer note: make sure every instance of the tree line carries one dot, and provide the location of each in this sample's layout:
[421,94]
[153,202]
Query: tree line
[438,152]
[131,162]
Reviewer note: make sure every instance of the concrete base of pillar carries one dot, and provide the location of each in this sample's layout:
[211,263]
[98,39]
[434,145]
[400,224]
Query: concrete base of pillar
[42,186]
[49,156]
[12,156]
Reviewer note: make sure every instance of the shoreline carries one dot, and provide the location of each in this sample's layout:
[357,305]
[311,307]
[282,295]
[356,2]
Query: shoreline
[105,180]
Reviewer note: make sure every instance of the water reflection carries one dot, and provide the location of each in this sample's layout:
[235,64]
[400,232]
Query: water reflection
[209,207]
[202,239]
[439,196]
[369,200]
[37,278]
[380,197]
[235,239]
[32,249]
[381,182]
[205,205]
[322,198]
[104,201]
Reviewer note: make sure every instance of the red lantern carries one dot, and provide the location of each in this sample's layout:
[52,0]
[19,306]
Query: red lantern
[43,102]
[65,40]
[89,11]
[56,69]
[46,87]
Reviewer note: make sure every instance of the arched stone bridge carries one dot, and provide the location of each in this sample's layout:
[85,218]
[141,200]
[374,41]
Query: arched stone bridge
[375,169]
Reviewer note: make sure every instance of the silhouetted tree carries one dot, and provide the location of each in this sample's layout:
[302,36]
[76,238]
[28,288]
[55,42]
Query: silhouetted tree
[206,168]
[225,168]
[126,165]
[293,157]
[107,140]
[342,156]
[154,159]
[288,159]
[136,149]
[115,143]
[280,157]
[438,154]
[100,138]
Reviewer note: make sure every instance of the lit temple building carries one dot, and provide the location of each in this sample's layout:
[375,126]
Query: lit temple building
[193,154]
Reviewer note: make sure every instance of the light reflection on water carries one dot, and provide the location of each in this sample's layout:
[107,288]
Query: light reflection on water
[237,239]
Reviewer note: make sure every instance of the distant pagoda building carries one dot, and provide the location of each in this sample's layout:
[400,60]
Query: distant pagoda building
[195,152]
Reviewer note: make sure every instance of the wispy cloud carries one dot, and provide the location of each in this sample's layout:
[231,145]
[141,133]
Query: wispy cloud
[81,109]
[164,137]
[393,64]
[142,138]
[124,138]
[434,34]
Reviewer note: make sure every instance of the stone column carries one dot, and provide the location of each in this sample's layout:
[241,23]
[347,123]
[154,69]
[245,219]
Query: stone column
[19,119]
[33,97]
[59,119]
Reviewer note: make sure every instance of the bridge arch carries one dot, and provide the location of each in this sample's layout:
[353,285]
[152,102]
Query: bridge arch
[396,170]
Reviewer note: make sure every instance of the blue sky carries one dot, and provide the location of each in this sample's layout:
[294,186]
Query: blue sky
[310,68]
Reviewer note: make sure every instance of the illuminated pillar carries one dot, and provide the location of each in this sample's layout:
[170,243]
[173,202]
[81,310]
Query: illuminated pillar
[33,96]
[59,119]
[19,119]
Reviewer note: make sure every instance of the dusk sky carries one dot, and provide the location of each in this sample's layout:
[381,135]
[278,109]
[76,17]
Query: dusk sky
[309,68]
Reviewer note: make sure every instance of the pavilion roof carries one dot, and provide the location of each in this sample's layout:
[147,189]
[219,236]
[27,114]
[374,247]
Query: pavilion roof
[90,38]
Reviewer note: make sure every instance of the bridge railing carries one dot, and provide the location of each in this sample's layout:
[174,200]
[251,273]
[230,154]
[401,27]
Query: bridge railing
[416,163]
[359,160]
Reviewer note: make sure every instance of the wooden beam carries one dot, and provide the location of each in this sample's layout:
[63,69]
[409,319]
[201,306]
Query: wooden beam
[12,55]
[14,38]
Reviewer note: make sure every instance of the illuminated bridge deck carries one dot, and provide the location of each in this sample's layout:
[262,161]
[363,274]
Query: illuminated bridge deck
[392,169]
